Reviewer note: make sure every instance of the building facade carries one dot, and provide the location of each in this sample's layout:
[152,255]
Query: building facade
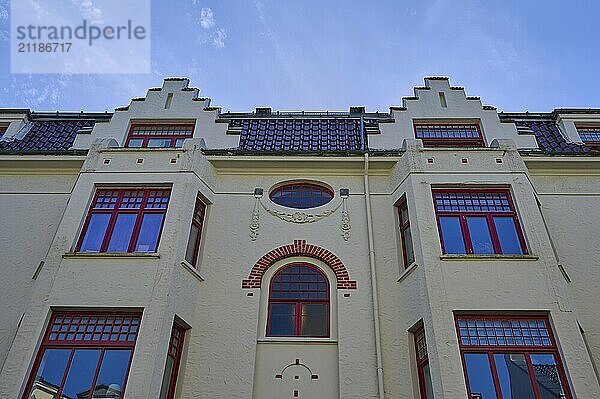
[172,250]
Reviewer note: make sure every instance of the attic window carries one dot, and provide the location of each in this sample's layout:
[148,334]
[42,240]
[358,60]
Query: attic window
[589,134]
[455,134]
[3,130]
[159,135]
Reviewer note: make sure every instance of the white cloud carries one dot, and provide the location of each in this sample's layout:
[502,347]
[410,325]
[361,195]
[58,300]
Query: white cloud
[89,11]
[218,38]
[207,19]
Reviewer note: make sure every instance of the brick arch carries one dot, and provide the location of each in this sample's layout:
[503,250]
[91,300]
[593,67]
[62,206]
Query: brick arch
[299,248]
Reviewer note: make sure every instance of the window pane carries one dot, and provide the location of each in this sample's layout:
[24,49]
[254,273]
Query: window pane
[282,319]
[112,374]
[166,381]
[403,214]
[546,376]
[452,235]
[480,376]
[159,143]
[121,234]
[513,376]
[480,235]
[191,245]
[81,373]
[148,236]
[135,143]
[314,320]
[427,382]
[507,234]
[50,373]
[179,143]
[94,235]
[408,247]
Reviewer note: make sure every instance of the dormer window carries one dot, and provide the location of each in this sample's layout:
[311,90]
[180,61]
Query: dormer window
[3,129]
[589,134]
[449,134]
[159,135]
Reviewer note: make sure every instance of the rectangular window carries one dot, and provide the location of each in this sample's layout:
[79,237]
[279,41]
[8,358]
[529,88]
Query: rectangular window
[425,386]
[511,358]
[159,135]
[589,134]
[193,246]
[408,253]
[449,134]
[167,390]
[124,221]
[3,129]
[478,221]
[84,356]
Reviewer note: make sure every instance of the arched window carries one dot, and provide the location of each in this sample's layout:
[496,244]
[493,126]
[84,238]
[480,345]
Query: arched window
[301,195]
[298,302]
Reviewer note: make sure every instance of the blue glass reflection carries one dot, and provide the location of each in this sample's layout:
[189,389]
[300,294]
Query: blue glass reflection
[452,235]
[513,376]
[121,234]
[547,377]
[481,240]
[112,374]
[281,320]
[92,241]
[81,373]
[480,375]
[50,372]
[149,231]
[507,234]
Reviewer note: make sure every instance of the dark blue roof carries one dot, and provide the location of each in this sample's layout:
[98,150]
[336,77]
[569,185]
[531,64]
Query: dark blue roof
[299,135]
[44,135]
[551,141]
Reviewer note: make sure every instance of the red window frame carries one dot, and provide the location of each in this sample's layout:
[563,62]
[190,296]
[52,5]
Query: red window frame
[449,141]
[134,134]
[3,129]
[594,135]
[174,352]
[422,358]
[489,215]
[298,302]
[198,222]
[404,226]
[490,350]
[298,191]
[103,199]
[51,341]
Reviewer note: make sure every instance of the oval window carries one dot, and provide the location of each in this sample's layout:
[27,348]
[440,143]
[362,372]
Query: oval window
[301,195]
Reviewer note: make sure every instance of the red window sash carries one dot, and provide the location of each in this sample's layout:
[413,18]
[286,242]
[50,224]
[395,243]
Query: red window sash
[176,360]
[102,346]
[451,141]
[421,363]
[404,224]
[114,212]
[173,137]
[298,305]
[462,215]
[199,225]
[524,349]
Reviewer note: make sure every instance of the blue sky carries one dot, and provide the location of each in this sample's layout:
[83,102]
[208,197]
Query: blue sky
[315,55]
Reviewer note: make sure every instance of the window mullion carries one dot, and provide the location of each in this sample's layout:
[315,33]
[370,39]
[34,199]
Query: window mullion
[532,377]
[494,372]
[493,233]
[64,379]
[94,380]
[138,222]
[466,234]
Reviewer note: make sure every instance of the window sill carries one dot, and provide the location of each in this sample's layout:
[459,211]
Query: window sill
[152,255]
[187,266]
[296,340]
[407,271]
[489,257]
